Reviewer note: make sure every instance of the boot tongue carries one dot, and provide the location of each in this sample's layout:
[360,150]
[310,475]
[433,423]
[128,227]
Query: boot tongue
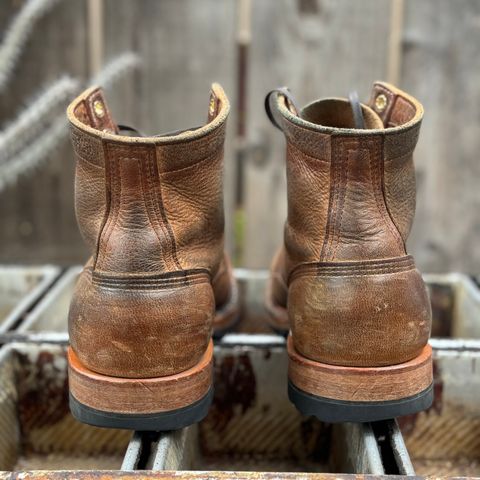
[342,113]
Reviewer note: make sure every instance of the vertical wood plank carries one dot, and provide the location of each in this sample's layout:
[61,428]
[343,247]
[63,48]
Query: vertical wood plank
[317,48]
[185,45]
[37,214]
[441,66]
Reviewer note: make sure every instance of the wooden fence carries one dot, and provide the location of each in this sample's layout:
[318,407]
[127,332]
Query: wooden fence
[317,47]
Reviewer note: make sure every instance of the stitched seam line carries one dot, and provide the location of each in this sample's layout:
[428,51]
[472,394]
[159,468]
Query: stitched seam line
[330,228]
[112,214]
[150,285]
[385,201]
[146,192]
[147,276]
[108,194]
[194,164]
[80,157]
[169,230]
[320,267]
[161,213]
[153,206]
[377,185]
[306,154]
[157,203]
[350,272]
[344,190]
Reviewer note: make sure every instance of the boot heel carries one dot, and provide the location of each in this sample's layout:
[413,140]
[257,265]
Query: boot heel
[159,404]
[334,393]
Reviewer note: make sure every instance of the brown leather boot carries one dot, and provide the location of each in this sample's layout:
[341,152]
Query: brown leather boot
[140,323]
[357,307]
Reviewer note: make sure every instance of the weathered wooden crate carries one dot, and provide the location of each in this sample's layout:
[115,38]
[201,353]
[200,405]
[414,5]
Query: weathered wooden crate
[252,426]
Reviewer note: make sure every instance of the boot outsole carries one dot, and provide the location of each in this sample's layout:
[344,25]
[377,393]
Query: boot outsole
[336,411]
[162,421]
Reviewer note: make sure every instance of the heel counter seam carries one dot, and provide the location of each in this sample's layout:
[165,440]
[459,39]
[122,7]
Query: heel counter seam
[149,196]
[151,281]
[360,268]
[339,188]
[378,185]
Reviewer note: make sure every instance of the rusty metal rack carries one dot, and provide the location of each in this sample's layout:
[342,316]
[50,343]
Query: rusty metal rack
[251,425]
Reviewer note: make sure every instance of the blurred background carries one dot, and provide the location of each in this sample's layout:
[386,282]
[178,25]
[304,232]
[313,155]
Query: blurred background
[157,59]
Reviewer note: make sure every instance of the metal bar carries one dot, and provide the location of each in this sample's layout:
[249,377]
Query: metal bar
[400,452]
[48,275]
[50,314]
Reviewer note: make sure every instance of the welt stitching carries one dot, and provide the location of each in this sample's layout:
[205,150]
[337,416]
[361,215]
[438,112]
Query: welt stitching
[149,285]
[323,267]
[319,267]
[314,268]
[353,272]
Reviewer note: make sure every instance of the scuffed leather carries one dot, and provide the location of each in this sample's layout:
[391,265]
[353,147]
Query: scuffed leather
[89,170]
[143,327]
[151,211]
[351,205]
[359,315]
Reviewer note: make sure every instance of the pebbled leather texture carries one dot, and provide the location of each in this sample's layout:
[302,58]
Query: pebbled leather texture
[151,211]
[352,294]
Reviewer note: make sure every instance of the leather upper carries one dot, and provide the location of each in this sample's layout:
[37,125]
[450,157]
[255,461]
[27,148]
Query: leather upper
[351,202]
[151,211]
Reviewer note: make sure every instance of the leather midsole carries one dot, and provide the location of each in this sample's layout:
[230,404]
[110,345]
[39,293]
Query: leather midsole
[140,395]
[368,384]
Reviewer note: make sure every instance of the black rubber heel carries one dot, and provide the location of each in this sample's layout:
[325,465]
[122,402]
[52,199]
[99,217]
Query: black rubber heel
[162,421]
[337,411]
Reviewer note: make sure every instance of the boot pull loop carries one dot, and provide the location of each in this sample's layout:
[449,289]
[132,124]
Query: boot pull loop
[291,104]
[356,110]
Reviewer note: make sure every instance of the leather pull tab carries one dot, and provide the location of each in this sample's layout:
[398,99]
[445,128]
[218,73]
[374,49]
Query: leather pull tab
[290,101]
[213,107]
[98,113]
[358,119]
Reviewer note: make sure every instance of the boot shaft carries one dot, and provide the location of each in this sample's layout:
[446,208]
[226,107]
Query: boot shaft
[149,204]
[351,193]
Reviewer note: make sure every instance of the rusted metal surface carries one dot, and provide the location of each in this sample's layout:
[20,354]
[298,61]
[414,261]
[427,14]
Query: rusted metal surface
[251,425]
[455,305]
[37,428]
[355,449]
[446,437]
[20,289]
[213,475]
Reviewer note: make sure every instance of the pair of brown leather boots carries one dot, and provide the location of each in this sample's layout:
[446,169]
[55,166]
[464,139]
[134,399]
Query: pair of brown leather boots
[158,282]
